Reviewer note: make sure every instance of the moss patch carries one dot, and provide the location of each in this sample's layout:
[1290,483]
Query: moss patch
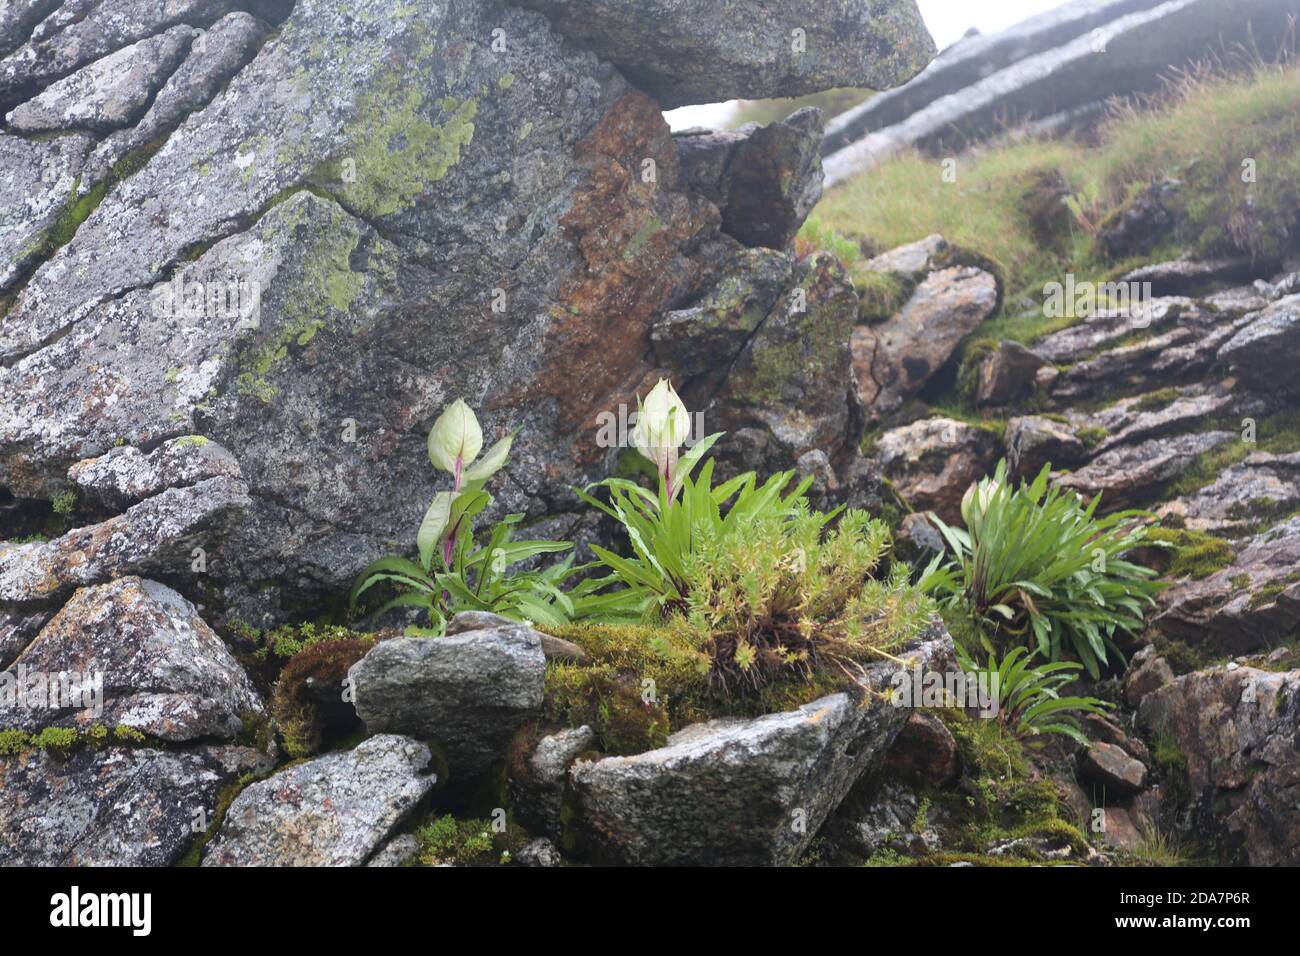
[307,703]
[1196,555]
[399,152]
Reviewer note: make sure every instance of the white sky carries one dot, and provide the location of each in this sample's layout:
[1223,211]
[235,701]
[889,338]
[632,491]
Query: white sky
[947,20]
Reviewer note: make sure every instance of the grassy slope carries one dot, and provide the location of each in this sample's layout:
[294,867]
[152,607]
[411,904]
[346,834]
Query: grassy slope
[1008,201]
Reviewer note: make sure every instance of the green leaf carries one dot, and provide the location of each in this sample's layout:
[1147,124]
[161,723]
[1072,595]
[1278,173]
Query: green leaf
[435,522]
[492,460]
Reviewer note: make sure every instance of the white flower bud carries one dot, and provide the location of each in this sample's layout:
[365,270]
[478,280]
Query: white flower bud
[976,500]
[455,438]
[662,425]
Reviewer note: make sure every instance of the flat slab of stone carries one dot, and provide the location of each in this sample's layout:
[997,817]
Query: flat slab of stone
[116,807]
[36,178]
[108,94]
[156,535]
[733,791]
[707,51]
[336,810]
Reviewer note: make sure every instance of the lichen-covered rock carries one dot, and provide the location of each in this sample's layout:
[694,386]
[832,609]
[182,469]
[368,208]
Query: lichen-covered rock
[116,807]
[894,359]
[336,810]
[1133,474]
[706,51]
[885,819]
[933,461]
[18,18]
[1175,353]
[399,851]
[1267,349]
[1189,276]
[1131,421]
[1101,328]
[1254,600]
[126,475]
[108,94]
[1009,373]
[80,32]
[36,178]
[554,648]
[792,383]
[17,630]
[1033,441]
[1147,672]
[163,671]
[1236,731]
[707,336]
[1259,487]
[156,535]
[313,215]
[469,691]
[539,852]
[733,791]
[213,57]
[1107,765]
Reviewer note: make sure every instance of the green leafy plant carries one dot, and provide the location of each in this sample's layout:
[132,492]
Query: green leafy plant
[763,588]
[664,532]
[1029,695]
[453,572]
[1038,565]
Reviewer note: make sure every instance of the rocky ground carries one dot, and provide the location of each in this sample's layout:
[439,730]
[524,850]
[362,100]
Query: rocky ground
[249,249]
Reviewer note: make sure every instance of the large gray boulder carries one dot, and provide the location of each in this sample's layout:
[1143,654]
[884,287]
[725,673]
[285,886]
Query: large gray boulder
[336,810]
[470,691]
[358,179]
[743,792]
[161,669]
[706,51]
[122,806]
